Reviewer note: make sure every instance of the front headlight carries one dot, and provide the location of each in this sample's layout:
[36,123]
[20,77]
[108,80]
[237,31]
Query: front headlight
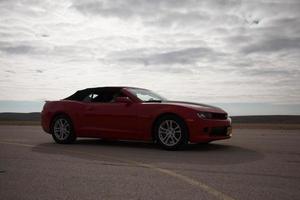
[204,115]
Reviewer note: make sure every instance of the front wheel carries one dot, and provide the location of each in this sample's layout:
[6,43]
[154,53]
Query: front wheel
[62,130]
[171,132]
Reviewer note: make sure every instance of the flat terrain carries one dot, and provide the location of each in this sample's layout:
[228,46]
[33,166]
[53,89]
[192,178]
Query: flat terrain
[254,164]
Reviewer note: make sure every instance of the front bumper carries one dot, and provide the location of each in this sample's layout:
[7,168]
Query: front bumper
[206,130]
[45,121]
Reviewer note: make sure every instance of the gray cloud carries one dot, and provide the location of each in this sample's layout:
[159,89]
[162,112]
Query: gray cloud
[179,19]
[21,49]
[10,71]
[161,13]
[273,45]
[187,56]
[273,72]
[179,13]
[39,71]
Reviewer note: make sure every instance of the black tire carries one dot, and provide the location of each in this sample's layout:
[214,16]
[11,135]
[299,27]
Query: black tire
[62,130]
[171,138]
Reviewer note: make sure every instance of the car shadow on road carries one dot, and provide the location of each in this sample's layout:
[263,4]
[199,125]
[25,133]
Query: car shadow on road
[214,153]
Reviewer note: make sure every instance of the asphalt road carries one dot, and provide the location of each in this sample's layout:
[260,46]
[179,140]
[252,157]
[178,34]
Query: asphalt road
[254,164]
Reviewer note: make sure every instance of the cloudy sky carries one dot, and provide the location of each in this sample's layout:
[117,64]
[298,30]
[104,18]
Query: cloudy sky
[242,55]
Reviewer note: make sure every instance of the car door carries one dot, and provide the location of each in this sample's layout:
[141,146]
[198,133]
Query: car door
[111,119]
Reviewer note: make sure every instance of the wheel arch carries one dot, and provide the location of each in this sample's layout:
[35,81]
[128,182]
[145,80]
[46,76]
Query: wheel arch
[153,136]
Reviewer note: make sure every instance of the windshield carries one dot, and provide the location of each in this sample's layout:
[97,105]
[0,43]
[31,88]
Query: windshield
[146,95]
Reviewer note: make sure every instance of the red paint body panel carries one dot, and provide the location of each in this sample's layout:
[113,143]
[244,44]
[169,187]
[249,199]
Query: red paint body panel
[131,121]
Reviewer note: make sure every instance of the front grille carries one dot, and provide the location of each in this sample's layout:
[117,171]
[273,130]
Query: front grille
[219,131]
[219,116]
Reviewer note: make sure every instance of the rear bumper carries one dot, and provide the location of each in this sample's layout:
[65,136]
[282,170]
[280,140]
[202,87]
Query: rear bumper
[202,130]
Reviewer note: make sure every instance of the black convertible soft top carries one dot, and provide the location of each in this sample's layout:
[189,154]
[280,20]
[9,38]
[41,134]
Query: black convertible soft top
[81,94]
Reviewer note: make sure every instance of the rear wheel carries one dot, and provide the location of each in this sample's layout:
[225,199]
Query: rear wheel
[62,130]
[171,132]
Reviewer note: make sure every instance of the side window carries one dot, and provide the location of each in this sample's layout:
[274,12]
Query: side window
[103,96]
[90,97]
[107,96]
[117,94]
[94,96]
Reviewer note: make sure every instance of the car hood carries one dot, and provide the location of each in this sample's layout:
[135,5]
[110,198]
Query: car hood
[196,106]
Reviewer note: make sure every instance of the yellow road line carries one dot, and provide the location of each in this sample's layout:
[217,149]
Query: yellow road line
[196,183]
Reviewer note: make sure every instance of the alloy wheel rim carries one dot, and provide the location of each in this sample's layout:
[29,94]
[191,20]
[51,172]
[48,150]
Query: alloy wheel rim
[169,132]
[62,129]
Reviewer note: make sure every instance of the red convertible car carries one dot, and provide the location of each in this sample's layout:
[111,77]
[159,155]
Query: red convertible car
[127,113]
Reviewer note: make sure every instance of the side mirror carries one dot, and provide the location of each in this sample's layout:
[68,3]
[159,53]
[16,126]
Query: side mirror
[126,100]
